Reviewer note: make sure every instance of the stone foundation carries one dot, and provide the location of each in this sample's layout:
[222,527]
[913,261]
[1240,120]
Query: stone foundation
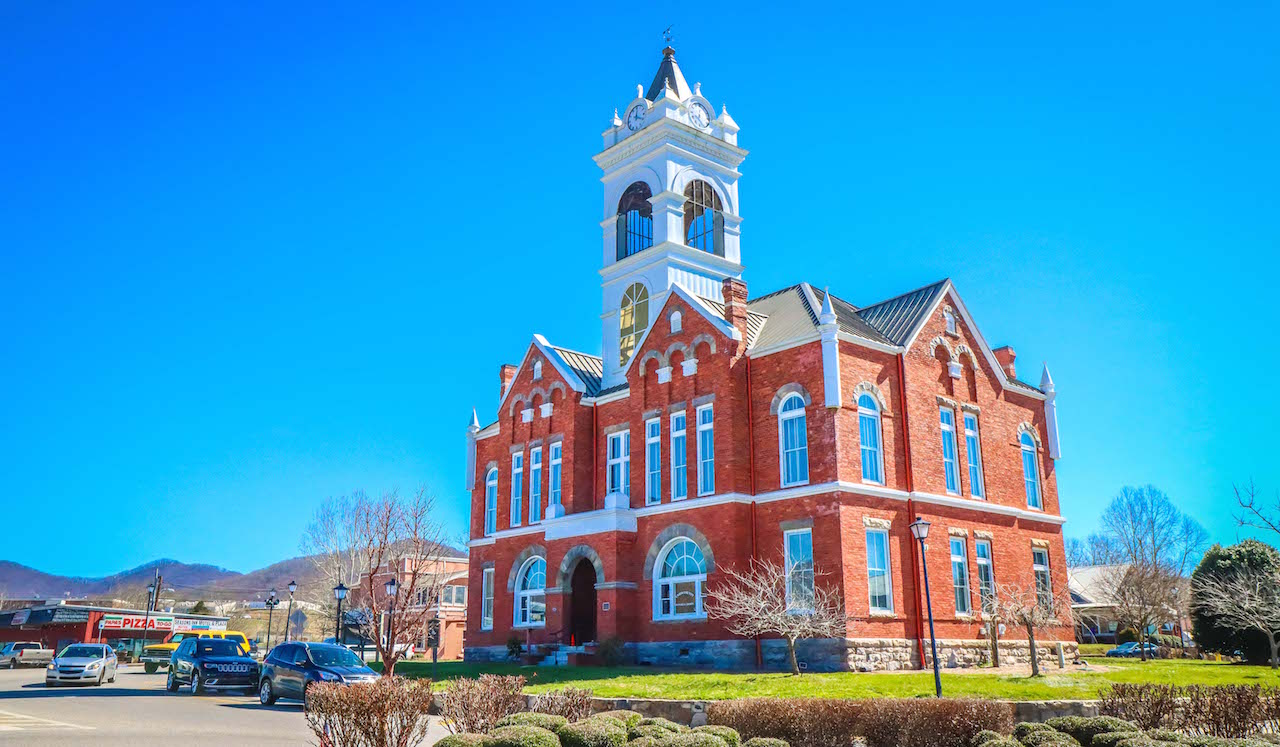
[820,655]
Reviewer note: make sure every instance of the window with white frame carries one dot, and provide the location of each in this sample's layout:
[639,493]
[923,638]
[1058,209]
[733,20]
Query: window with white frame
[531,593]
[986,577]
[1044,584]
[879,584]
[948,419]
[973,451]
[453,595]
[491,501]
[679,458]
[535,485]
[793,441]
[682,576]
[800,573]
[1030,471]
[537,370]
[486,599]
[652,461]
[619,463]
[869,435]
[706,451]
[556,455]
[517,487]
[960,575]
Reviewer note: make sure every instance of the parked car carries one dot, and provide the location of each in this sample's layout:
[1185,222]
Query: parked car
[202,664]
[156,656]
[82,663]
[1134,650]
[291,667]
[25,654]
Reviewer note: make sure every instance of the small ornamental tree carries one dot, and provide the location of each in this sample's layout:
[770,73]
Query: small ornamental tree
[1246,599]
[1212,633]
[1030,608]
[754,602]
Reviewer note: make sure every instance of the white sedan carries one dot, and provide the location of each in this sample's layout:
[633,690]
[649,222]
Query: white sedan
[82,663]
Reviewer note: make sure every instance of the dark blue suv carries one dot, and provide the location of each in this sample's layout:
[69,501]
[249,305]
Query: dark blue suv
[291,667]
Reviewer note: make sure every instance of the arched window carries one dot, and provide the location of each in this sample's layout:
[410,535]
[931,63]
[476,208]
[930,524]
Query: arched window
[793,441]
[703,218]
[531,593]
[950,319]
[683,574]
[537,370]
[1030,472]
[635,220]
[632,321]
[491,502]
[869,433]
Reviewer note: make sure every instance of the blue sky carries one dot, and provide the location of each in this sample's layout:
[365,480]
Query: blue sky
[254,257]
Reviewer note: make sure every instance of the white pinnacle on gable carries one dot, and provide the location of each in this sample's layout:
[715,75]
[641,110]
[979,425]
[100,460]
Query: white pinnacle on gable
[1050,411]
[830,331]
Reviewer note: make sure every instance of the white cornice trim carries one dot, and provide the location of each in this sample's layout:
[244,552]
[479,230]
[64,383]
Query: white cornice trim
[488,431]
[789,344]
[607,398]
[687,257]
[693,503]
[869,344]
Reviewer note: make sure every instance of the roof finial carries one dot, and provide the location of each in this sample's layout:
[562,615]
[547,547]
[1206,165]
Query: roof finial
[666,34]
[475,421]
[639,90]
[828,315]
[697,88]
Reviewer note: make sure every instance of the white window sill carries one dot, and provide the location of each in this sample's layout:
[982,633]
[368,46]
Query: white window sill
[681,618]
[873,482]
[795,484]
[528,626]
[883,613]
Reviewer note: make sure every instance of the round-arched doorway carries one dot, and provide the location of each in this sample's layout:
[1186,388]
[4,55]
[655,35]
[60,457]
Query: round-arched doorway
[582,603]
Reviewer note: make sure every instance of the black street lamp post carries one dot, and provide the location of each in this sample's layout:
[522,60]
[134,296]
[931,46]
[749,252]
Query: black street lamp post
[146,620]
[920,529]
[273,601]
[339,593]
[288,618]
[391,587]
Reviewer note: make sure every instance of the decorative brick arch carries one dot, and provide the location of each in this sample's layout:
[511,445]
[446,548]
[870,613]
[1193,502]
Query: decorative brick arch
[704,337]
[556,386]
[680,346]
[941,341]
[570,561]
[866,387]
[786,391]
[515,400]
[670,533]
[651,355]
[534,394]
[963,350]
[518,563]
[1029,428]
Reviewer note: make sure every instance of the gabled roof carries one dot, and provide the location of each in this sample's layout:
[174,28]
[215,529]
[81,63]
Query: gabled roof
[668,76]
[755,320]
[897,318]
[588,368]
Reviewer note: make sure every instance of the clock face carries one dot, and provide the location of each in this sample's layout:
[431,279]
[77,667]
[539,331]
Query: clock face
[635,117]
[699,115]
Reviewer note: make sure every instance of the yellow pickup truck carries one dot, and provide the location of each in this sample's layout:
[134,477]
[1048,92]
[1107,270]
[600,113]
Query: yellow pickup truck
[156,656]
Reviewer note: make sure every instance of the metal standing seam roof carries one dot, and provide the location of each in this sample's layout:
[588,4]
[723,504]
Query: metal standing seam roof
[589,368]
[897,317]
[755,320]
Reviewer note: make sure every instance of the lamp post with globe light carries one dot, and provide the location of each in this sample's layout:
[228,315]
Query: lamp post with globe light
[920,530]
[146,620]
[273,601]
[391,587]
[339,593]
[288,618]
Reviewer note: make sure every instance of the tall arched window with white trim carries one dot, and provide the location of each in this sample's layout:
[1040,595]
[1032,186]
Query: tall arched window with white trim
[869,435]
[703,218]
[531,593]
[1030,471]
[633,320]
[491,501]
[681,578]
[635,220]
[793,441]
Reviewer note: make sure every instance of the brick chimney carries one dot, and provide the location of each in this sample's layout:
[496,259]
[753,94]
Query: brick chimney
[735,305]
[1006,357]
[507,373]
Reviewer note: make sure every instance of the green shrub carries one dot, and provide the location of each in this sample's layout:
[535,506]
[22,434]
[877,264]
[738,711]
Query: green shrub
[462,740]
[692,739]
[984,736]
[765,742]
[1083,729]
[728,734]
[667,724]
[885,722]
[515,647]
[1127,635]
[1049,738]
[647,742]
[593,732]
[628,718]
[611,651]
[548,721]
[1167,735]
[1003,742]
[521,736]
[1111,738]
[650,731]
[1026,727]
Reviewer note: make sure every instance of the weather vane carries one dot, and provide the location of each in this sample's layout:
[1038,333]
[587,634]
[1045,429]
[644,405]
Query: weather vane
[666,35]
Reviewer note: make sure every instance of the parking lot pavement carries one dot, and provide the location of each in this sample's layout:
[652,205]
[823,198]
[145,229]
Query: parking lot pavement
[136,711]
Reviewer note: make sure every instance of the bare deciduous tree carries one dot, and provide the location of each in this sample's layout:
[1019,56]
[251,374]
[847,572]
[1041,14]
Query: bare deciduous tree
[754,603]
[1254,512]
[1029,607]
[401,536]
[1144,595]
[1096,549]
[331,543]
[1248,598]
[1146,528]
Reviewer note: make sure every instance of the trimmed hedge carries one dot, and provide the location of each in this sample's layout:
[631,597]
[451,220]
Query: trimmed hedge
[647,742]
[984,736]
[1026,727]
[548,721]
[461,740]
[1111,738]
[765,742]
[729,735]
[628,718]
[1083,729]
[1049,738]
[692,739]
[667,724]
[650,731]
[592,732]
[521,736]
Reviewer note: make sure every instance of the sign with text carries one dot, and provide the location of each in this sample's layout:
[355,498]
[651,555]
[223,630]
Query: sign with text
[20,617]
[137,622]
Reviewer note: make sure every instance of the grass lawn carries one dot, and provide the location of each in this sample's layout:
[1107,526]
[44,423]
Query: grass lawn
[647,682]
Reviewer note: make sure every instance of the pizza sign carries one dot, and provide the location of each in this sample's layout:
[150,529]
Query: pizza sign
[137,622]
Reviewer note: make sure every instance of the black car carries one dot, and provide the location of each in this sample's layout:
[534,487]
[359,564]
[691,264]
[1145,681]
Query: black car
[211,664]
[291,667]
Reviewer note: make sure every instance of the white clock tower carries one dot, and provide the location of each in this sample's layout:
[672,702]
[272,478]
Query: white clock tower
[671,214]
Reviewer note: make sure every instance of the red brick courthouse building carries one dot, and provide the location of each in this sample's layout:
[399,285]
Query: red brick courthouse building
[716,428]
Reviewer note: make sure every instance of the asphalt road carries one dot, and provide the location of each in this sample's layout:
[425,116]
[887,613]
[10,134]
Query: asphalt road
[136,711]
